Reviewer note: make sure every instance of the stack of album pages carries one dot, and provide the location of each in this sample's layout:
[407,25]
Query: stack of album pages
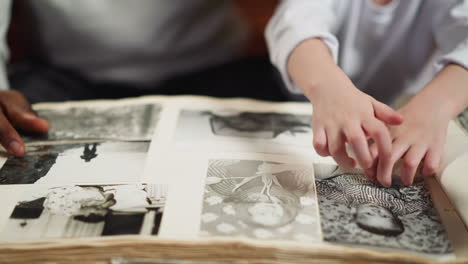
[201,180]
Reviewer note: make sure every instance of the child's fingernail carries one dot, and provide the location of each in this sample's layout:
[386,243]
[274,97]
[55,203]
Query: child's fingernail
[16,148]
[386,183]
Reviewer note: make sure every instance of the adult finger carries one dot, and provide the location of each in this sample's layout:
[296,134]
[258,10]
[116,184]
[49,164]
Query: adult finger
[19,112]
[320,141]
[411,162]
[337,149]
[9,138]
[386,114]
[357,140]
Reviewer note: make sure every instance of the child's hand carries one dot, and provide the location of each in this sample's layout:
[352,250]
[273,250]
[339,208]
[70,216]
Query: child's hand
[342,113]
[418,142]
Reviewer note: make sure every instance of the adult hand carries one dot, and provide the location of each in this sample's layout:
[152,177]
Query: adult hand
[16,113]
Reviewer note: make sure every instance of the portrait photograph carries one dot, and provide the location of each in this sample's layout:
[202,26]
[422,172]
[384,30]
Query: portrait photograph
[355,210]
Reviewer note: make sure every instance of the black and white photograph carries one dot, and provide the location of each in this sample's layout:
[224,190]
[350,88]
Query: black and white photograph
[99,122]
[462,119]
[355,210]
[86,211]
[231,130]
[80,163]
[260,199]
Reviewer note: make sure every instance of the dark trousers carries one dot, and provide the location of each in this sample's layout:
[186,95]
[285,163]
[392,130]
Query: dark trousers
[251,77]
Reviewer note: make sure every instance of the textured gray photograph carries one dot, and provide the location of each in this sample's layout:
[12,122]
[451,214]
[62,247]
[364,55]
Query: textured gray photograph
[86,211]
[259,199]
[99,122]
[462,119]
[219,128]
[80,163]
[357,211]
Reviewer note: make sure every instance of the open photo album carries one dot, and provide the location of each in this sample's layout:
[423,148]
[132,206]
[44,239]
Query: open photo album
[193,180]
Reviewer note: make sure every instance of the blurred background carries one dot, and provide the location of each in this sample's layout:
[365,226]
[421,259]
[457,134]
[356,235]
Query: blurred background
[255,13]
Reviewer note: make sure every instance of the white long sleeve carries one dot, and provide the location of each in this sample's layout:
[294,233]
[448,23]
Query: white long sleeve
[382,48]
[451,35]
[5,6]
[296,21]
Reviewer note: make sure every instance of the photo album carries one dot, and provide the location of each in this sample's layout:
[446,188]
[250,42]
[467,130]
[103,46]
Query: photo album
[189,179]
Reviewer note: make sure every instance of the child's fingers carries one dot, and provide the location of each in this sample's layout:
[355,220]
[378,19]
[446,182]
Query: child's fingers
[386,114]
[385,166]
[381,136]
[374,151]
[372,171]
[337,149]
[432,160]
[357,140]
[320,141]
[383,147]
[411,162]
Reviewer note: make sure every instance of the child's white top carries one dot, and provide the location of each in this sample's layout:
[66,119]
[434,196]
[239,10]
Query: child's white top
[381,48]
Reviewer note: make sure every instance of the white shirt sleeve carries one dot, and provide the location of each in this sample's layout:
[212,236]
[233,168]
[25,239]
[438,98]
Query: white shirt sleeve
[5,6]
[451,35]
[295,21]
